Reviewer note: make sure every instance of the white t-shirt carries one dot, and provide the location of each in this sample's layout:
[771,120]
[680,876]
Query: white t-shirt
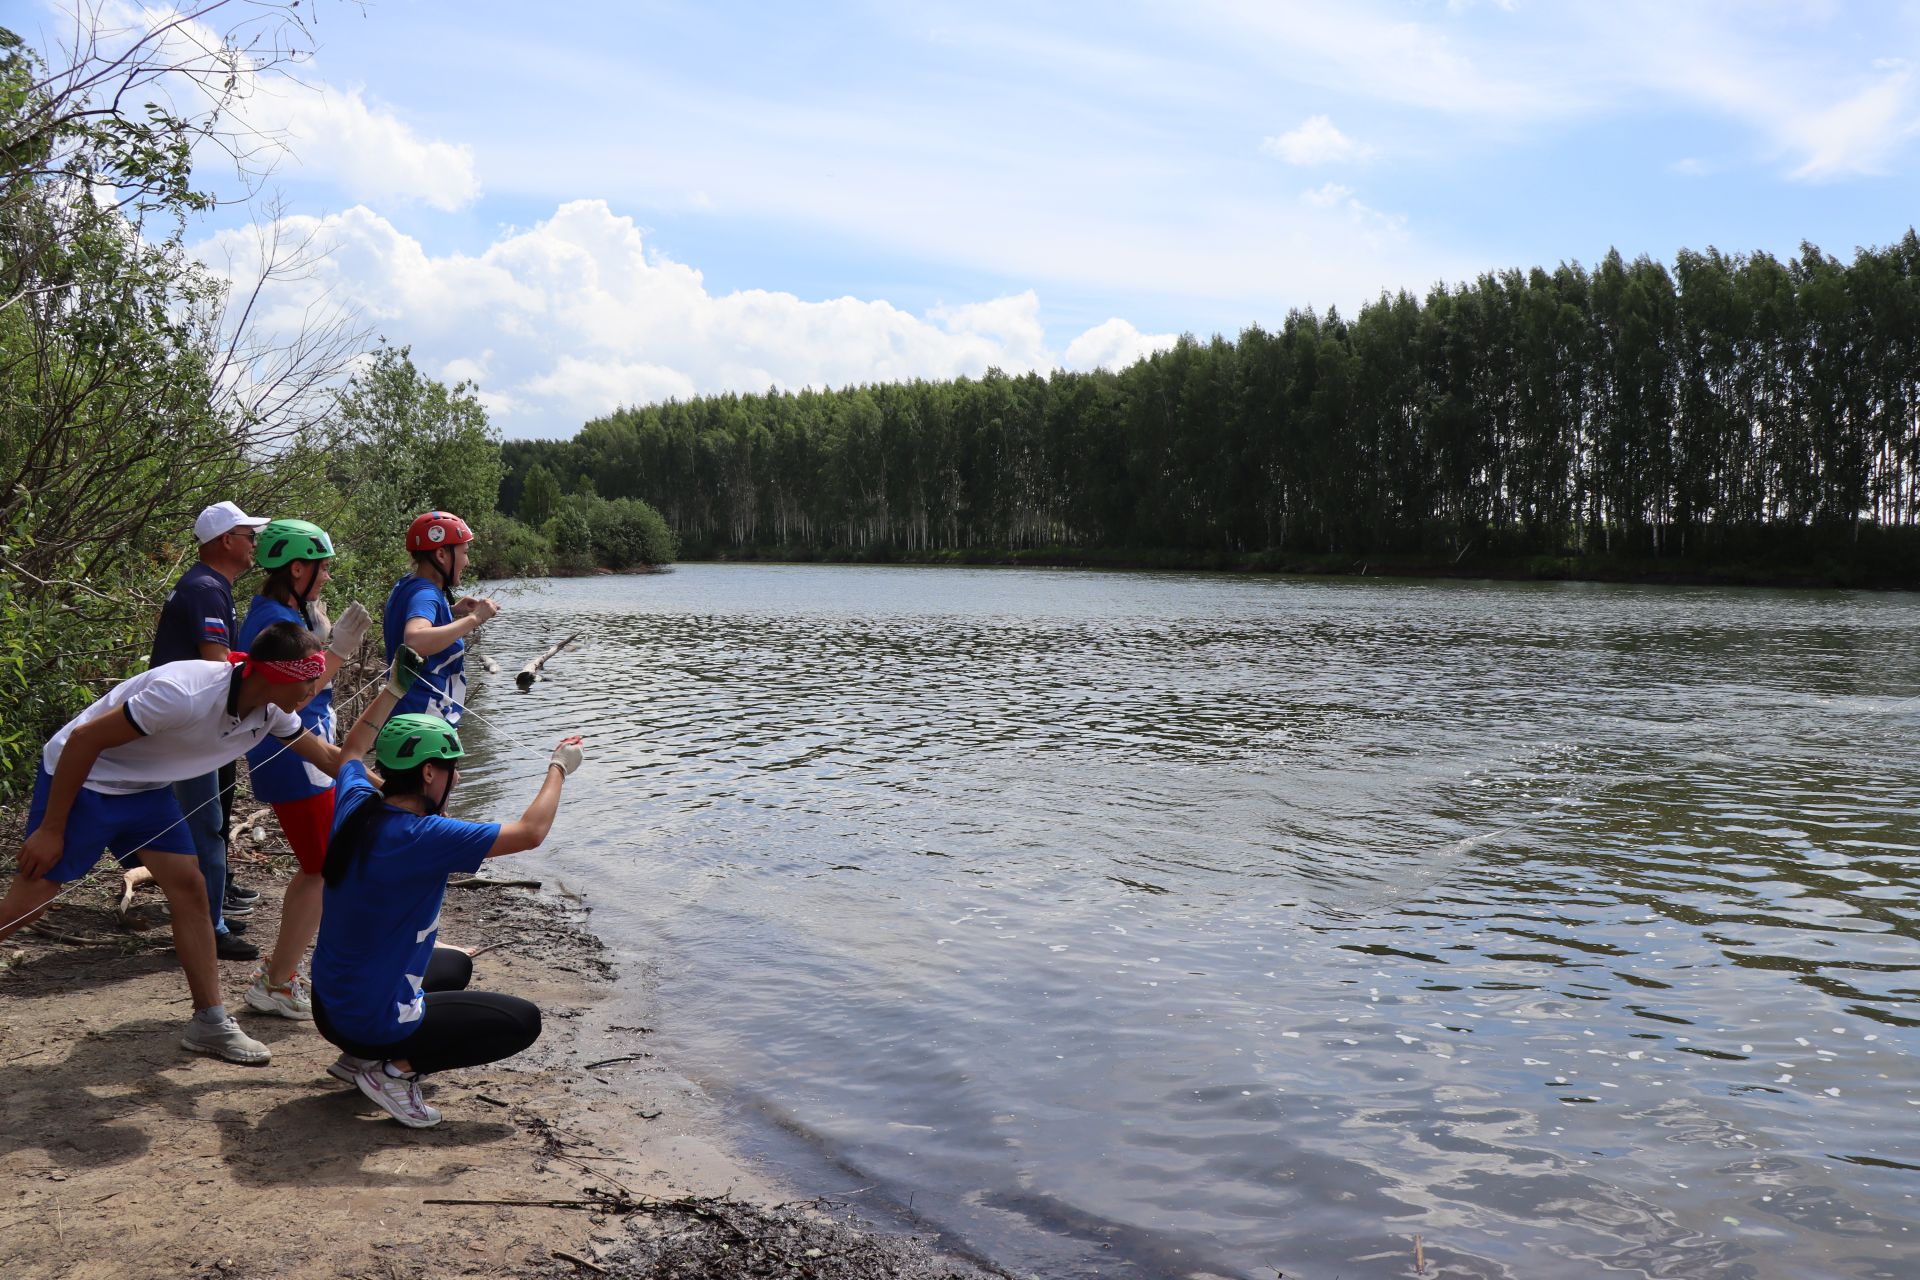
[181,711]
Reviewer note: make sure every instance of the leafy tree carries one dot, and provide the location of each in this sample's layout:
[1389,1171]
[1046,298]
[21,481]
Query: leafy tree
[402,443]
[131,390]
[540,496]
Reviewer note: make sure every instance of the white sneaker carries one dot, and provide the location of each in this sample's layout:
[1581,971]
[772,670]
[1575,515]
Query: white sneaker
[288,1001]
[399,1097]
[343,1067]
[224,1040]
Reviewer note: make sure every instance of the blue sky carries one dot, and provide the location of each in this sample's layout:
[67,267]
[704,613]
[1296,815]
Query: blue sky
[587,205]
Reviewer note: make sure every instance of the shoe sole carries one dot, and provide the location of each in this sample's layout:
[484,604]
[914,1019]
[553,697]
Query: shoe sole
[270,1005]
[236,908]
[214,1051]
[378,1099]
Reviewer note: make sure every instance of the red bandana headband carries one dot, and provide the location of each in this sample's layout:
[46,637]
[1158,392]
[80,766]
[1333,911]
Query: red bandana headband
[291,671]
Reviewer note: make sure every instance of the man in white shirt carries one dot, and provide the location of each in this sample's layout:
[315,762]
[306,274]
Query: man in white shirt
[105,782]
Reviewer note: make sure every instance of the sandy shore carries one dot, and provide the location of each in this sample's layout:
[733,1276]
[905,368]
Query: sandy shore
[121,1155]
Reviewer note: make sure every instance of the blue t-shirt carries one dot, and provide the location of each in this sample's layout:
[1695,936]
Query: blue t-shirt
[199,610]
[441,689]
[378,927]
[280,776]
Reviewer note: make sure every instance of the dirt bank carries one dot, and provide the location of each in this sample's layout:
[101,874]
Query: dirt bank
[123,1156]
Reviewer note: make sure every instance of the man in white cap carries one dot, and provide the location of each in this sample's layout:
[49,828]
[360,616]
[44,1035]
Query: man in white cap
[197,623]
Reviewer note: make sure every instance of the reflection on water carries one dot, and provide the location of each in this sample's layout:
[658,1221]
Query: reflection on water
[1154,925]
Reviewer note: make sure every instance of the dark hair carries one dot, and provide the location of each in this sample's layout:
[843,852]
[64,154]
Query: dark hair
[280,581]
[357,826]
[282,642]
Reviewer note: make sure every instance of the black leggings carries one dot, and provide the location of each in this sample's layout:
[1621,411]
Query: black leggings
[461,1028]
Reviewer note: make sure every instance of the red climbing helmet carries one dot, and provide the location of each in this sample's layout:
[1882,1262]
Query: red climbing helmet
[437,529]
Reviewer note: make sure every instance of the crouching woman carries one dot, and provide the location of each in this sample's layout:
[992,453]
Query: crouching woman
[393,1001]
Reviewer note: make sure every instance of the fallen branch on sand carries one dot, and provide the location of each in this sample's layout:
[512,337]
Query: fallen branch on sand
[578,1261]
[531,672]
[128,883]
[46,930]
[607,1062]
[488,882]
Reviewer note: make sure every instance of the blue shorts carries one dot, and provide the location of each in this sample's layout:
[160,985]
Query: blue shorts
[124,824]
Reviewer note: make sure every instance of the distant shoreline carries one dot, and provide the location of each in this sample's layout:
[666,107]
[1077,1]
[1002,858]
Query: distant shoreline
[1730,573]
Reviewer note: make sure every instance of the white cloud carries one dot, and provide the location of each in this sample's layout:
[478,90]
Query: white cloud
[1316,141]
[369,153]
[1857,135]
[1114,345]
[314,132]
[1373,51]
[574,317]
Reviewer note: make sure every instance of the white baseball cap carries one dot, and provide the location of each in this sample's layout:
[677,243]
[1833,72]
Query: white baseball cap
[222,517]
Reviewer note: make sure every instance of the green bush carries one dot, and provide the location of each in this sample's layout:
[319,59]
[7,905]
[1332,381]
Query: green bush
[572,538]
[506,548]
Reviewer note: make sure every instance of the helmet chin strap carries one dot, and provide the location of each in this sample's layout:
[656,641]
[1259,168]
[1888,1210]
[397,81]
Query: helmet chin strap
[436,807]
[303,596]
[447,582]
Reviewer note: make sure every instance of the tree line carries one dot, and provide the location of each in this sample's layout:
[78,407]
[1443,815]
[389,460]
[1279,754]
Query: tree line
[1730,405]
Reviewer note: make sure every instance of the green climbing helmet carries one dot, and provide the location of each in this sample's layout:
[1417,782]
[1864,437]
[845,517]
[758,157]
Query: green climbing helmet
[409,741]
[284,541]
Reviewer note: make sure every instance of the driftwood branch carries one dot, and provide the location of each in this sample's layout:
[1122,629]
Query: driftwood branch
[60,935]
[130,881]
[488,882]
[579,1261]
[531,672]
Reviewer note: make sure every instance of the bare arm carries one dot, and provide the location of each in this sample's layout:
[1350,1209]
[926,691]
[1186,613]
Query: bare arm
[42,849]
[323,756]
[213,652]
[367,727]
[532,828]
[426,639]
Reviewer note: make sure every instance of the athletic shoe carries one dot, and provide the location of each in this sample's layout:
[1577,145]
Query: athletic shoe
[224,1040]
[399,1097]
[288,1001]
[236,890]
[234,927]
[232,906]
[343,1067]
[228,947]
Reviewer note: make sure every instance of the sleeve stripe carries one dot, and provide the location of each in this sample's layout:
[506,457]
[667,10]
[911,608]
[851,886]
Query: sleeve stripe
[126,709]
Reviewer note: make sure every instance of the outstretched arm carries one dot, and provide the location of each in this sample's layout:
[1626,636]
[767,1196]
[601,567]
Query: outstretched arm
[532,828]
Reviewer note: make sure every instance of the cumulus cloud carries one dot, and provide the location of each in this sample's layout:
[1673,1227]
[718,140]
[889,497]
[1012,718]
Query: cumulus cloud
[316,132]
[1315,142]
[1114,345]
[575,317]
[369,153]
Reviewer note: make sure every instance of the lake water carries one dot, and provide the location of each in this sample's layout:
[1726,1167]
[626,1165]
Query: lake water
[1157,925]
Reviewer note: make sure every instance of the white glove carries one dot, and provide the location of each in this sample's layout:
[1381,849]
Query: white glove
[568,755]
[350,631]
